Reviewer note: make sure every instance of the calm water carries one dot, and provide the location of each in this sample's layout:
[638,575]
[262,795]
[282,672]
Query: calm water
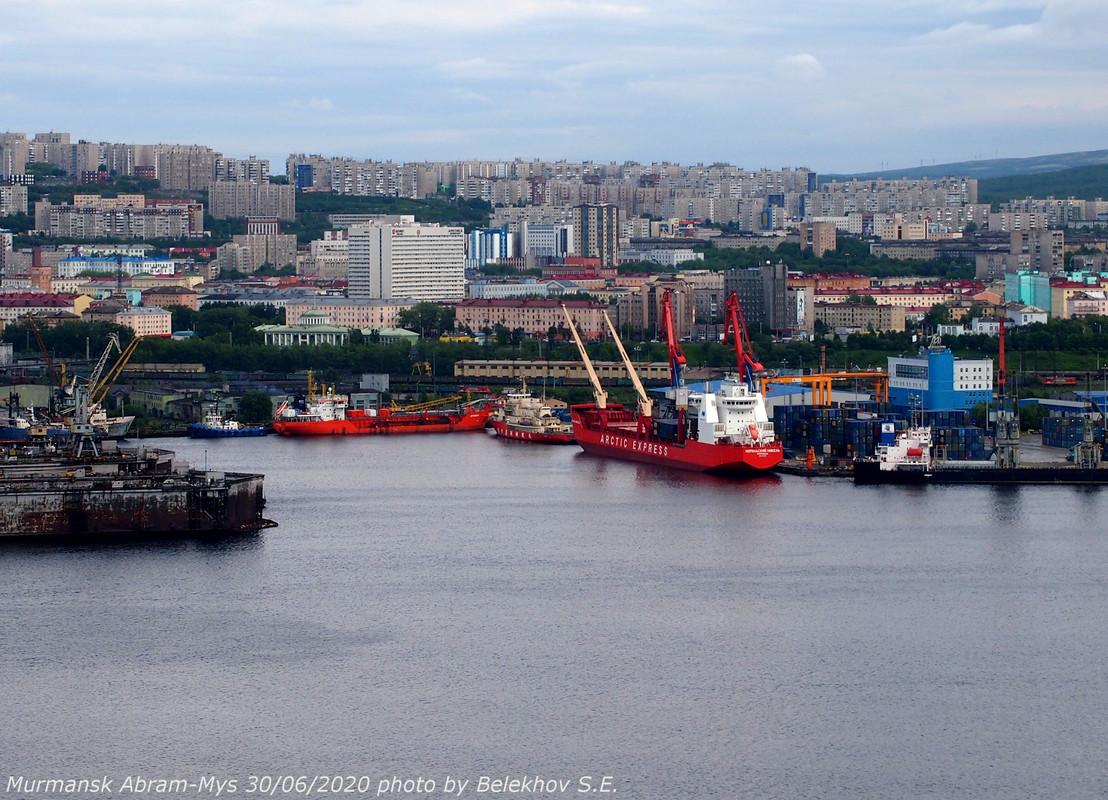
[459,605]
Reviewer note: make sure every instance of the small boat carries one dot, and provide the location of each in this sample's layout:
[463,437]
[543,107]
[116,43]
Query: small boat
[523,417]
[217,426]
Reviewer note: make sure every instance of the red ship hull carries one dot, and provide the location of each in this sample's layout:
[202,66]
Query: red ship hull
[614,432]
[524,435]
[387,422]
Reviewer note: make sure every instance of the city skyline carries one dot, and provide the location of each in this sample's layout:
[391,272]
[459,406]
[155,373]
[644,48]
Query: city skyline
[836,87]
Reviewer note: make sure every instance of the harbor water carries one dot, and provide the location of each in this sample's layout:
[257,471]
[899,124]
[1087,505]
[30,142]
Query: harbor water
[462,608]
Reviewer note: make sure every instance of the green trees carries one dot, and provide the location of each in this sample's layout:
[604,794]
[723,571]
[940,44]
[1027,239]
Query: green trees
[255,408]
[429,319]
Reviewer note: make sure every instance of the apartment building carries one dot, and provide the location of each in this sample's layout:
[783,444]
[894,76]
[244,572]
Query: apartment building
[13,200]
[860,317]
[535,317]
[328,259]
[244,198]
[596,232]
[127,216]
[262,244]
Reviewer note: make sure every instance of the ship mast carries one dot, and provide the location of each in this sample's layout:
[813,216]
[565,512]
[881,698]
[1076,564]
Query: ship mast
[599,394]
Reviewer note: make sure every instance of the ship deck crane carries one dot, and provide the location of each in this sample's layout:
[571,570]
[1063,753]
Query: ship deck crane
[747,365]
[599,394]
[646,405]
[677,359]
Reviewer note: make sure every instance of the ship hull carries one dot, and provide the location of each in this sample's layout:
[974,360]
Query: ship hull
[867,473]
[198,431]
[92,507]
[386,424]
[613,433]
[526,434]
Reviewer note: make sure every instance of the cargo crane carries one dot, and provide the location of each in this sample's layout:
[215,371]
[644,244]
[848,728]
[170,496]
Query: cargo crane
[676,354]
[57,376]
[98,392]
[748,365]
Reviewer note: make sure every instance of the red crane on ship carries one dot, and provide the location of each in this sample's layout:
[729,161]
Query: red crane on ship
[676,363]
[747,364]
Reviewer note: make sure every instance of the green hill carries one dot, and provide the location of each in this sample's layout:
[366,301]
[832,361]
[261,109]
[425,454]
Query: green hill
[988,168]
[1084,183]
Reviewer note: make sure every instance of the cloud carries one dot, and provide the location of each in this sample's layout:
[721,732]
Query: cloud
[801,67]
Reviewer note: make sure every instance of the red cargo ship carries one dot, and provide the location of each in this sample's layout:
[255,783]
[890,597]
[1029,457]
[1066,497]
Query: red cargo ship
[724,431]
[330,415]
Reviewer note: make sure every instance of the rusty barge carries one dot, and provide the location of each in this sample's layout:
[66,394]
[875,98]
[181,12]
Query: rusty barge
[108,492]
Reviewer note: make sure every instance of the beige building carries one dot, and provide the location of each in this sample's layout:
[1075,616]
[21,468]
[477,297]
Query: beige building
[188,167]
[247,199]
[263,243]
[860,316]
[349,313]
[146,321]
[328,258]
[13,200]
[819,237]
[163,296]
[534,317]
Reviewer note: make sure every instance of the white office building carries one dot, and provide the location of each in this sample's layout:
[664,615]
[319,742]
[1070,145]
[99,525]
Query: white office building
[423,262]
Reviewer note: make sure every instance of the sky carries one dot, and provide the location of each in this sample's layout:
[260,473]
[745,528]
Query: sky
[834,86]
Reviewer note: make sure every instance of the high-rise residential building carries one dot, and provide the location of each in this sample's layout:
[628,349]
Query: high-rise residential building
[249,170]
[13,200]
[418,261]
[596,232]
[762,293]
[819,237]
[52,148]
[14,152]
[188,167]
[262,244]
[242,198]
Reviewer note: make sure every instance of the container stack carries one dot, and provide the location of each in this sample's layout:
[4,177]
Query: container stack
[962,444]
[855,432]
[1063,431]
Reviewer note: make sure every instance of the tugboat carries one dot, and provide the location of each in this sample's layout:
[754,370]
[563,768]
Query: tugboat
[523,417]
[218,426]
[727,430]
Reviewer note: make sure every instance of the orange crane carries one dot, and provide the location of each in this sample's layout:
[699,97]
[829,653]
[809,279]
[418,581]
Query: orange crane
[820,384]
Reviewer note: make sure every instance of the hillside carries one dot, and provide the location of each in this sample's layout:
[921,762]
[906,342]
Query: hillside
[1084,183]
[989,168]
